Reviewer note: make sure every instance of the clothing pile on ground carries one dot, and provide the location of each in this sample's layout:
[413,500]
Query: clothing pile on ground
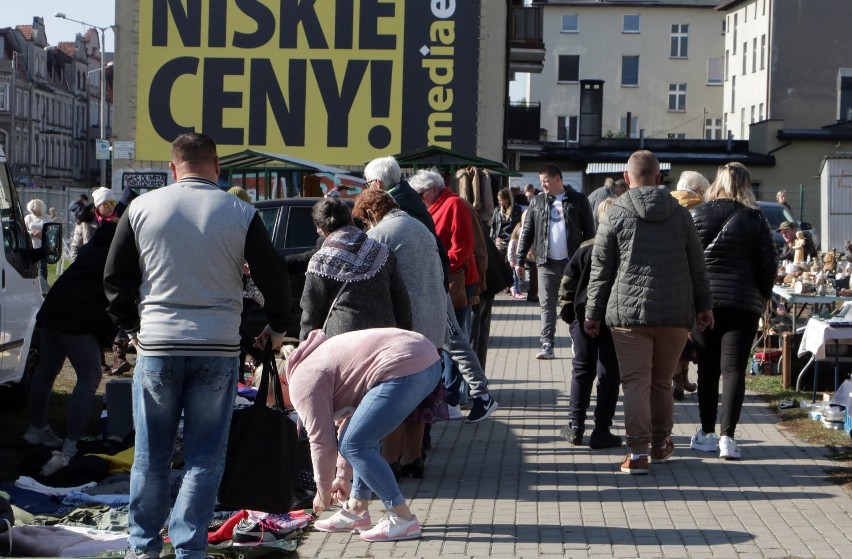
[81,508]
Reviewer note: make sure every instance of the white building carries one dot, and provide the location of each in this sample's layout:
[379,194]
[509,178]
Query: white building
[784,60]
[661,63]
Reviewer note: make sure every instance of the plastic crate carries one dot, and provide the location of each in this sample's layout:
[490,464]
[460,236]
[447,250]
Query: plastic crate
[847,423]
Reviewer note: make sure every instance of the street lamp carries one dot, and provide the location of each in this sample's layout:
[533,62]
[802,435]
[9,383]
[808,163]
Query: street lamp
[103,84]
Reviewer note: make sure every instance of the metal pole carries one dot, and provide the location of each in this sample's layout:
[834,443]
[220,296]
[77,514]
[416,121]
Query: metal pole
[103,106]
[10,157]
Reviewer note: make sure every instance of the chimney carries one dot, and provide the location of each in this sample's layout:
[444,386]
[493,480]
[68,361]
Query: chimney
[844,94]
[591,111]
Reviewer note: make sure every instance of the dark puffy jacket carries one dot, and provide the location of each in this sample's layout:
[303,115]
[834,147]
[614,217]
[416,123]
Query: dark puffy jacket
[647,264]
[739,252]
[578,224]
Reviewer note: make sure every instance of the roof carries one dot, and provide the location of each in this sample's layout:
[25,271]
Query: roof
[250,158]
[639,3]
[67,47]
[26,31]
[611,168]
[434,156]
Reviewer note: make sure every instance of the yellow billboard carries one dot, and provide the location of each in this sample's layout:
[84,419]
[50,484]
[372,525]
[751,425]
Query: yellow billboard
[338,81]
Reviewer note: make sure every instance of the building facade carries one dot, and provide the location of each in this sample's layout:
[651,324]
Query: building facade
[660,63]
[784,60]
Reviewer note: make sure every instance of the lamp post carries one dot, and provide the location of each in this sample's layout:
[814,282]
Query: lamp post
[103,85]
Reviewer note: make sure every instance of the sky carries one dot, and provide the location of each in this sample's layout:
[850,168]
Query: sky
[96,12]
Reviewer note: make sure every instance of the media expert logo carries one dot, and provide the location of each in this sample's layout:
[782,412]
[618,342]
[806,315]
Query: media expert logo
[333,80]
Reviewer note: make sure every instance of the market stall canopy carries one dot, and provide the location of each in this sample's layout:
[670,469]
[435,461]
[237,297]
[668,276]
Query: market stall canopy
[617,168]
[442,158]
[250,159]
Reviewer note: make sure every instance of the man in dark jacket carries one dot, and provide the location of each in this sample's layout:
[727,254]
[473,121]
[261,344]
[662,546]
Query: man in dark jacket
[649,281]
[788,230]
[557,221]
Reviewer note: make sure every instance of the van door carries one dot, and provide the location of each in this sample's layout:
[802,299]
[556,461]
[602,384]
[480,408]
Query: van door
[20,295]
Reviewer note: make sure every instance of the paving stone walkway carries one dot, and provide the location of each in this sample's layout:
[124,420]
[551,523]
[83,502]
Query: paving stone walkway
[512,487]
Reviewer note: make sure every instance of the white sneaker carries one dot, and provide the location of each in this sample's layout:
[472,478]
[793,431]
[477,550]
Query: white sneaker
[728,449]
[454,412]
[393,528]
[44,436]
[705,442]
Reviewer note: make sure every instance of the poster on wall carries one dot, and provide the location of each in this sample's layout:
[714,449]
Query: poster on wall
[337,81]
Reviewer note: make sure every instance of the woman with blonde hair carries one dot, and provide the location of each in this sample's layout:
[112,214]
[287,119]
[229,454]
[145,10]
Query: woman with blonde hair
[741,264]
[35,223]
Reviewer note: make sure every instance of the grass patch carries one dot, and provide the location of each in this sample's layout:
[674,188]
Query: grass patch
[838,444]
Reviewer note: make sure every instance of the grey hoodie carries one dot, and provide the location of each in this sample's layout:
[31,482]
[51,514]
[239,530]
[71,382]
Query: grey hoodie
[647,264]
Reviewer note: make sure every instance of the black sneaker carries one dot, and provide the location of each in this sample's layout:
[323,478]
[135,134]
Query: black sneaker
[602,438]
[481,409]
[573,434]
[259,532]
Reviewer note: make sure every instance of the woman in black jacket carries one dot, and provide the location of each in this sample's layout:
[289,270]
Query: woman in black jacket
[741,263]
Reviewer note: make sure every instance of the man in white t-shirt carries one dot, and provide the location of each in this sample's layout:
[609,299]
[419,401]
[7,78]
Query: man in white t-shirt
[558,220]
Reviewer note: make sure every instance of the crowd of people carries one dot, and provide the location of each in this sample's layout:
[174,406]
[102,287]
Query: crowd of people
[395,320]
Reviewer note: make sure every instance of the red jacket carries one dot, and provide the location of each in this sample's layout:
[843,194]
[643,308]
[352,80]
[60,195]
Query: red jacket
[455,229]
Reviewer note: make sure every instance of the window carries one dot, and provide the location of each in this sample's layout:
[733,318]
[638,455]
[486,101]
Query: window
[714,71]
[735,33]
[567,128]
[630,23]
[742,123]
[762,52]
[753,113]
[760,113]
[4,97]
[712,128]
[733,92]
[571,23]
[634,126]
[569,68]
[677,96]
[764,7]
[754,55]
[629,71]
[745,57]
[680,40]
[93,114]
[727,63]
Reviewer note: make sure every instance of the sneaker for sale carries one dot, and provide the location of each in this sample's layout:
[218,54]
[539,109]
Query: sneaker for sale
[45,437]
[481,409]
[635,466]
[254,531]
[705,442]
[728,449]
[344,520]
[663,453]
[546,352]
[603,438]
[573,434]
[454,412]
[393,528]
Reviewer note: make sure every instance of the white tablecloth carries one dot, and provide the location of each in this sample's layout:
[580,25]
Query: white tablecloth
[818,333]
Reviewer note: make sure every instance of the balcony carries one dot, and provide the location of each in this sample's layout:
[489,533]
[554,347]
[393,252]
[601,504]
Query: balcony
[526,43]
[524,122]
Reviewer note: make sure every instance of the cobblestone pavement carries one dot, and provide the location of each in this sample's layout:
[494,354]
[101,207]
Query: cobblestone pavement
[512,487]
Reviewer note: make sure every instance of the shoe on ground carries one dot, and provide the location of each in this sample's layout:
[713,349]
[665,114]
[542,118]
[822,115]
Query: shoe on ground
[249,531]
[414,469]
[728,449]
[393,528]
[603,438]
[705,442]
[677,392]
[344,520]
[481,409]
[130,554]
[454,412]
[45,437]
[635,466]
[122,368]
[573,434]
[662,454]
[689,386]
[513,292]
[546,352]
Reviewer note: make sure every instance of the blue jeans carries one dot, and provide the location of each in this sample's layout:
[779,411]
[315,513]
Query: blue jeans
[203,389]
[452,373]
[380,412]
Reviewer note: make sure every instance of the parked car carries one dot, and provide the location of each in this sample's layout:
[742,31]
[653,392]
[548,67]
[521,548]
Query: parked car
[294,236]
[775,213]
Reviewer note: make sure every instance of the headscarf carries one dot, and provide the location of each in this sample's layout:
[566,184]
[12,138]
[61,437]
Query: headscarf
[349,255]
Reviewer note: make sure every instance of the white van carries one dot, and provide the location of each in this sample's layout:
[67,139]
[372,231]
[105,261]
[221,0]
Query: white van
[20,285]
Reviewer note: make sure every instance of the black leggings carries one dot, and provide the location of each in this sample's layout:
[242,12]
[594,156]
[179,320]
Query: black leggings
[723,352]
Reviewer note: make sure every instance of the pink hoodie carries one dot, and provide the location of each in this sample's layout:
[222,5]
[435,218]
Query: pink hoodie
[327,385]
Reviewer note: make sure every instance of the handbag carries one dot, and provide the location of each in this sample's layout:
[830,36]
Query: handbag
[261,462]
[458,289]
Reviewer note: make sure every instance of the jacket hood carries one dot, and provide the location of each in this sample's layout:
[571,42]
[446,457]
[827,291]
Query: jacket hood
[648,203]
[687,198]
[315,339]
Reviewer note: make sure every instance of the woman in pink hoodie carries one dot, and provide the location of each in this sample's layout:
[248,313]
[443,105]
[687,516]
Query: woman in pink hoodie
[364,383]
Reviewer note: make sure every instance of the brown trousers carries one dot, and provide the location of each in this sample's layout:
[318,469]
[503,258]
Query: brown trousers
[647,357]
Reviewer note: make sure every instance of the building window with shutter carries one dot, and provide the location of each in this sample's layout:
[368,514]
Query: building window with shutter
[714,71]
[569,68]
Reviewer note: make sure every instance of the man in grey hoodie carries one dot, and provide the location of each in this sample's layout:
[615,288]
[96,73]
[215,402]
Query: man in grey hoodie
[649,282]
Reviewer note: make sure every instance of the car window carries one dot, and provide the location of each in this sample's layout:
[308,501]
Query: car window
[301,231]
[268,216]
